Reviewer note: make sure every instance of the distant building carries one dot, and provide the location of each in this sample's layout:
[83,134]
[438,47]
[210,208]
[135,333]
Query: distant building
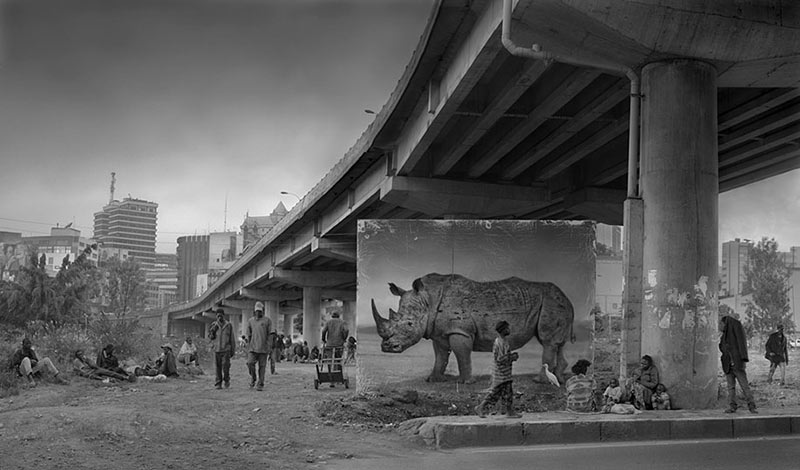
[162,282]
[735,257]
[202,259]
[255,227]
[129,227]
[611,237]
[608,284]
[63,242]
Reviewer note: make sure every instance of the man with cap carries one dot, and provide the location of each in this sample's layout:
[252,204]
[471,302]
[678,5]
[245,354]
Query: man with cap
[334,334]
[223,342]
[733,346]
[777,354]
[259,341]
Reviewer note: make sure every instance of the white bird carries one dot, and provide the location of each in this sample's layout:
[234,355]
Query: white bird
[551,376]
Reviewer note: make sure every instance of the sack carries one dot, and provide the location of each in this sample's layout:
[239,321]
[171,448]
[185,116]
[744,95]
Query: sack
[624,409]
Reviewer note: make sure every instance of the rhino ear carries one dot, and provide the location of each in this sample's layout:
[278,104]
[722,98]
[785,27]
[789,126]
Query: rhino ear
[396,290]
[418,285]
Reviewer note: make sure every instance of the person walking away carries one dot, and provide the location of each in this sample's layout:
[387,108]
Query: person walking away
[334,334]
[259,343]
[733,346]
[27,364]
[223,343]
[777,354]
[501,375]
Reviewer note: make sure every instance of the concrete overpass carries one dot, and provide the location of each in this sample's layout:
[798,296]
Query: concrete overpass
[635,112]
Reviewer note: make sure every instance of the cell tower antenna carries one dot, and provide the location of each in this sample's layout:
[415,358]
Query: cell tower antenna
[113,182]
[225,214]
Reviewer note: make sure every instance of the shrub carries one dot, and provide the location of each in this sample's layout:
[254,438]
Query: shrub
[59,344]
[130,340]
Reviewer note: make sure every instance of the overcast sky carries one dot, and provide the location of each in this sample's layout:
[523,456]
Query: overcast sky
[193,101]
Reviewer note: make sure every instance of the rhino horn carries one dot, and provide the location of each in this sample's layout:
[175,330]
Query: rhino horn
[384,325]
[392,315]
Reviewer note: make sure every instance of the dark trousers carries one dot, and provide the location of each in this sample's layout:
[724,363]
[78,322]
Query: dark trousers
[741,376]
[222,363]
[261,359]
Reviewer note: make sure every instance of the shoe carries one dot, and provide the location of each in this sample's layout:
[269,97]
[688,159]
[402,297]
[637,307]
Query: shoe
[252,384]
[480,412]
[260,387]
[218,386]
[227,385]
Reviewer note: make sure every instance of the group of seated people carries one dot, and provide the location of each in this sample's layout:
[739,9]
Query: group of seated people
[108,366]
[642,391]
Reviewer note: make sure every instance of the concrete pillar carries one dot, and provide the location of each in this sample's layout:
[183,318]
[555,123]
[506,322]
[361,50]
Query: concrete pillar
[349,316]
[288,327]
[632,288]
[311,315]
[234,316]
[680,187]
[271,312]
[247,314]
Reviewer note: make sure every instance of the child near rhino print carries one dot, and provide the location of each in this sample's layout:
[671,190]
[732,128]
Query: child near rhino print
[501,375]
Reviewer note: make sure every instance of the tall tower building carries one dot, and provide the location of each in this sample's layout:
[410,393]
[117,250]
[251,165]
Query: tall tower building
[127,228]
[735,257]
[202,259]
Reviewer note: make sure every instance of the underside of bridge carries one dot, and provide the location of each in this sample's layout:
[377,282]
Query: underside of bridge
[473,131]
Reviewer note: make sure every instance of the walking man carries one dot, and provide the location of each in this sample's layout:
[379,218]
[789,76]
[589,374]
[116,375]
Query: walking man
[777,354]
[259,343]
[224,344]
[733,346]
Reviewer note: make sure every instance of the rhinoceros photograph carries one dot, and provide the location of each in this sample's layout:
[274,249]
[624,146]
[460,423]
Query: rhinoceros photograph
[429,290]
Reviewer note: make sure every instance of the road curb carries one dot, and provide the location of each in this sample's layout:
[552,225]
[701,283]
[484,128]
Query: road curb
[458,432]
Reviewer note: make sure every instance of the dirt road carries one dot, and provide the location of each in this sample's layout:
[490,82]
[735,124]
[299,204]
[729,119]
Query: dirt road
[184,424]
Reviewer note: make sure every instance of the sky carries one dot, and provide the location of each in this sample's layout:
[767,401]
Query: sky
[211,108]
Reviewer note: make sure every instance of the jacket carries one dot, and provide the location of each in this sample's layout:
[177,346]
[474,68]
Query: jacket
[732,345]
[221,336]
[776,348]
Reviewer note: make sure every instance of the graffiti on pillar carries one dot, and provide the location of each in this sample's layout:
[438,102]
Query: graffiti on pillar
[680,309]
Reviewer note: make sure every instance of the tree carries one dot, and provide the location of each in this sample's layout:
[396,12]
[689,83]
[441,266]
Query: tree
[767,280]
[127,286]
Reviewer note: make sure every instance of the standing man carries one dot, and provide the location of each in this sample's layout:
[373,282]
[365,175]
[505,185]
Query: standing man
[733,345]
[334,334]
[259,341]
[777,354]
[224,344]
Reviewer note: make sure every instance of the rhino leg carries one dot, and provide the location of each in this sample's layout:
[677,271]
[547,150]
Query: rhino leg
[441,351]
[562,364]
[549,357]
[462,348]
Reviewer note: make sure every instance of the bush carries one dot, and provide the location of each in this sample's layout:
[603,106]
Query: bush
[130,340]
[60,344]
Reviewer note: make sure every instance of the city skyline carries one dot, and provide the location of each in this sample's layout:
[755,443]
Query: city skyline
[213,109]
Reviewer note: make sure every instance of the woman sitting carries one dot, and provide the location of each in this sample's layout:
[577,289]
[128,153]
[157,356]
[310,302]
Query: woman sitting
[643,383]
[580,388]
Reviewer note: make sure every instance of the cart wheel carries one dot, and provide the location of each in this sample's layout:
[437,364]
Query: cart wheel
[346,383]
[316,384]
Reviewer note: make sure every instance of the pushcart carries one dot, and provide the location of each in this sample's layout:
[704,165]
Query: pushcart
[330,369]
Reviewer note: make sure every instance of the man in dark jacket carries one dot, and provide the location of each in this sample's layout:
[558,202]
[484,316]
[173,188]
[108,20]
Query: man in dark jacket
[777,354]
[27,364]
[223,342]
[733,346]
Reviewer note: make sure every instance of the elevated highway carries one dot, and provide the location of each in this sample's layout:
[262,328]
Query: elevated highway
[525,110]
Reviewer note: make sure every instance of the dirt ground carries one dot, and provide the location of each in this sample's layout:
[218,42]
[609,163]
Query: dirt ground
[186,424]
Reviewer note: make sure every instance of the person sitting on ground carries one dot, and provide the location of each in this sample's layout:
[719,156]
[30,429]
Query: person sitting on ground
[28,365]
[167,364]
[643,382]
[288,349]
[612,395]
[350,351]
[661,398]
[84,367]
[297,352]
[108,361]
[306,352]
[580,388]
[313,356]
[243,342]
[188,353]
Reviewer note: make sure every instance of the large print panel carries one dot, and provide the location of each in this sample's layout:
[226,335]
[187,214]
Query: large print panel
[438,287]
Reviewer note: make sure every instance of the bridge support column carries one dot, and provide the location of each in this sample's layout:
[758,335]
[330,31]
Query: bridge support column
[288,319]
[312,305]
[680,187]
[271,311]
[632,289]
[247,314]
[349,316]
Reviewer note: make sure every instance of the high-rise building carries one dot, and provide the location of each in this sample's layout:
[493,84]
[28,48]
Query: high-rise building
[255,227]
[202,259]
[162,281]
[127,228]
[735,257]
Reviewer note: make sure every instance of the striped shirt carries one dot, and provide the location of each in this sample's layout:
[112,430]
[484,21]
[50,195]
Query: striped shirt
[580,393]
[502,361]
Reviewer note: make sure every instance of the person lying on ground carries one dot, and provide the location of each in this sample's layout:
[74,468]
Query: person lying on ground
[188,352]
[108,361]
[28,365]
[83,366]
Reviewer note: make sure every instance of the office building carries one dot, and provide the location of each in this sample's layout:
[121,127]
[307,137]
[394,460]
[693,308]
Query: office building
[63,242]
[127,229]
[255,227]
[735,257]
[202,259]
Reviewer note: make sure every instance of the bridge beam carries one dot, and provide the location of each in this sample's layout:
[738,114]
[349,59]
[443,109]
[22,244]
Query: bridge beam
[270,294]
[312,278]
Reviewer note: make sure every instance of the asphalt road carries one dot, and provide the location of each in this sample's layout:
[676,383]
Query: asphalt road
[752,454]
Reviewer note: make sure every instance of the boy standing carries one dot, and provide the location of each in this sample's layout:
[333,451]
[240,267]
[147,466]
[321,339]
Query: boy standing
[501,376]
